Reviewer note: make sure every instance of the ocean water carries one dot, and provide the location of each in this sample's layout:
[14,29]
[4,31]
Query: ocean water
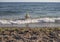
[18,10]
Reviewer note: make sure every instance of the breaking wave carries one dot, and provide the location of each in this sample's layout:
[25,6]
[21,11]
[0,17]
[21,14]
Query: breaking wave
[36,20]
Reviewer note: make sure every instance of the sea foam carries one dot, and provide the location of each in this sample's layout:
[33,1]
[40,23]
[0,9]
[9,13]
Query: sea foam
[37,20]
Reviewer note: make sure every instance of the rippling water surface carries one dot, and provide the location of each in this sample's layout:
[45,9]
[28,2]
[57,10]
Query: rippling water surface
[19,9]
[16,10]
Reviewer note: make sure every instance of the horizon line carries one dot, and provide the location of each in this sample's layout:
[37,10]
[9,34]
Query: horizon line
[47,2]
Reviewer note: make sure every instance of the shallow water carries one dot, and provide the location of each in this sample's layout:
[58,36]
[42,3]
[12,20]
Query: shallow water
[32,25]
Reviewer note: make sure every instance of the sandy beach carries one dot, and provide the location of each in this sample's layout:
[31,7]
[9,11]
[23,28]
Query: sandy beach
[29,34]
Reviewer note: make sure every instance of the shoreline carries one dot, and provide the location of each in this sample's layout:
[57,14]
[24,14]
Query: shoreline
[32,25]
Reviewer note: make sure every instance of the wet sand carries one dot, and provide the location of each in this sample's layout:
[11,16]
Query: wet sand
[32,25]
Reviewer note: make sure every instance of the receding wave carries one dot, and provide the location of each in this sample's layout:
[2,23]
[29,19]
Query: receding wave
[36,20]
